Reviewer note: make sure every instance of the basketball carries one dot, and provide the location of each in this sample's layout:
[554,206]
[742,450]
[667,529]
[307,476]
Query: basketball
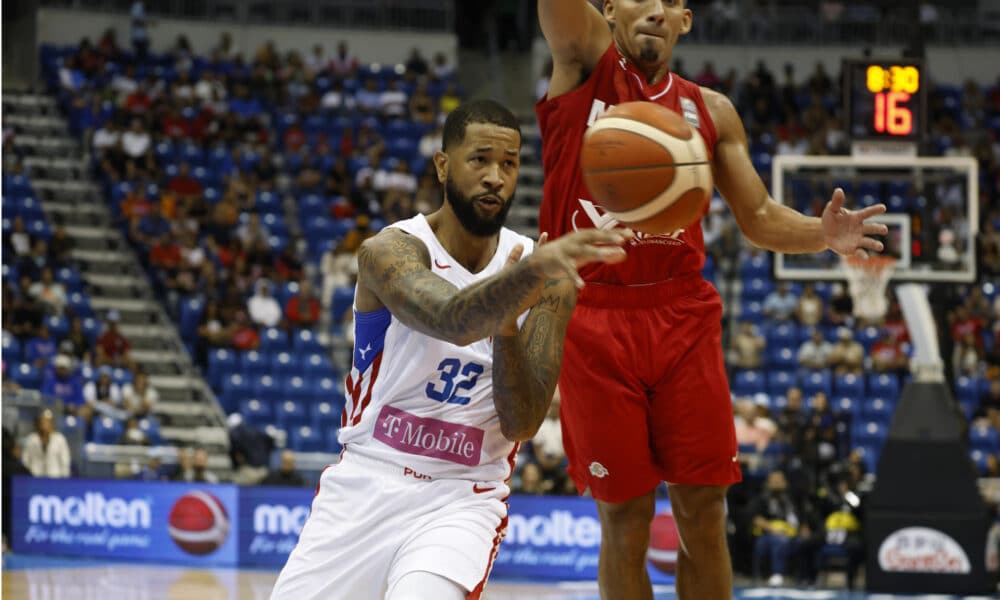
[198,523]
[663,543]
[647,167]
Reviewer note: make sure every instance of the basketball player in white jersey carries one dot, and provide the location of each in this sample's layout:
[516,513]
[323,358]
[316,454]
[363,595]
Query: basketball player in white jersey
[449,375]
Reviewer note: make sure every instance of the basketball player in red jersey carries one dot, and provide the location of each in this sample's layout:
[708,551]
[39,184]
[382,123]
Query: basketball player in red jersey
[644,390]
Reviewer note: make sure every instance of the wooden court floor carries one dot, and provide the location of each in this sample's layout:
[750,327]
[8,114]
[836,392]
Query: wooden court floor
[58,579]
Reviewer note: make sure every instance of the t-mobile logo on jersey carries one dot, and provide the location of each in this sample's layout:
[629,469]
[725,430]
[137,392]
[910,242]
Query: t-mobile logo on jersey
[424,436]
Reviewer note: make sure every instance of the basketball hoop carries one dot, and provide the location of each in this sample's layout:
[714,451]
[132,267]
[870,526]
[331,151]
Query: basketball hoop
[867,279]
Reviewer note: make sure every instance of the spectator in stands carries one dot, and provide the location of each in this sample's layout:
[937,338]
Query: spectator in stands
[427,198]
[136,142]
[60,248]
[778,523]
[303,309]
[71,77]
[990,399]
[792,420]
[810,308]
[263,308]
[964,323]
[183,184]
[441,68]
[138,32]
[104,395]
[449,101]
[887,354]
[286,475]
[41,349]
[547,447]
[393,102]
[842,527]
[416,63]
[746,349]
[343,64]
[46,452]
[780,304]
[841,309]
[199,468]
[422,107]
[252,231]
[27,313]
[847,355]
[288,266]
[12,467]
[336,100]
[368,98]
[966,357]
[50,293]
[65,384]
[76,343]
[816,352]
[754,426]
[139,397]
[31,266]
[532,482]
[18,241]
[132,434]
[244,334]
[112,347]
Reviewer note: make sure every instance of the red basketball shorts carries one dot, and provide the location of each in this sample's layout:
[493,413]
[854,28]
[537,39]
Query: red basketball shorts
[644,392]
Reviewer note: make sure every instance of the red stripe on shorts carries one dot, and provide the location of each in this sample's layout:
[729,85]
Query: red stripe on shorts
[478,590]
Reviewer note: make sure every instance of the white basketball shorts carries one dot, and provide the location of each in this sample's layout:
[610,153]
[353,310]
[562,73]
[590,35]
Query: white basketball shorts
[372,522]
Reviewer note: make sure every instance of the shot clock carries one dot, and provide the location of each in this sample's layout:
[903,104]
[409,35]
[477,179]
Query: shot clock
[886,100]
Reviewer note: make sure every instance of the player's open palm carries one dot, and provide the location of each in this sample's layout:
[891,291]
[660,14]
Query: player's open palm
[564,256]
[847,232]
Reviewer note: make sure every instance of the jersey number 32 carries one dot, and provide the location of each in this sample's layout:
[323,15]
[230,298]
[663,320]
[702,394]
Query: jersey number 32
[446,388]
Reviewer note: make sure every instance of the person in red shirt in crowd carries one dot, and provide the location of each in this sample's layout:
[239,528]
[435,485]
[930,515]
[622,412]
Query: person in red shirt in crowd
[112,347]
[896,324]
[139,101]
[183,184]
[136,203]
[175,126]
[287,266]
[963,324]
[888,355]
[245,336]
[303,308]
[166,254]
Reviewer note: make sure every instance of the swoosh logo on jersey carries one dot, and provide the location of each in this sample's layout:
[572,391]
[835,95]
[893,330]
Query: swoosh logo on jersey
[481,490]
[440,266]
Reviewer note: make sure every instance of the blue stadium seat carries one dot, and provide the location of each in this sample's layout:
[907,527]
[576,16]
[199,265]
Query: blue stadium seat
[879,410]
[328,389]
[782,334]
[883,385]
[121,375]
[870,455]
[756,267]
[266,388]
[756,289]
[306,439]
[849,385]
[11,348]
[296,388]
[58,325]
[752,311]
[817,381]
[256,412]
[325,415]
[235,388]
[343,299]
[289,414]
[967,388]
[26,376]
[869,433]
[748,383]
[191,311]
[254,364]
[79,304]
[332,443]
[106,430]
[72,427]
[985,439]
[285,365]
[304,341]
[782,357]
[778,382]
[274,340]
[222,362]
[70,279]
[867,337]
[847,405]
[151,427]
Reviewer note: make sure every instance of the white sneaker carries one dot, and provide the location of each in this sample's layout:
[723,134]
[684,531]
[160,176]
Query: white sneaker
[776,580]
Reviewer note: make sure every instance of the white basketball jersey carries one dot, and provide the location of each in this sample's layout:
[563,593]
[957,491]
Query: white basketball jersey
[423,403]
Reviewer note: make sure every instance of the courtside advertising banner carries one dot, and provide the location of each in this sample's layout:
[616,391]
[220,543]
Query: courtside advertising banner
[270,521]
[553,537]
[170,522]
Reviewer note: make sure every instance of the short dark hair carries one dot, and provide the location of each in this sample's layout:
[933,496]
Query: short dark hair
[476,111]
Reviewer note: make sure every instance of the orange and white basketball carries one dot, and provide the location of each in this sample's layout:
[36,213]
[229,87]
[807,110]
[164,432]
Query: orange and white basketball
[647,167]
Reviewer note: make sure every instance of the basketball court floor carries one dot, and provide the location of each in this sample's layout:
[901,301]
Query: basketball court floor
[48,578]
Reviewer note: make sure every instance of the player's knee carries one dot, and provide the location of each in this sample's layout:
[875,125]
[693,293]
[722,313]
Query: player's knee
[700,511]
[627,522]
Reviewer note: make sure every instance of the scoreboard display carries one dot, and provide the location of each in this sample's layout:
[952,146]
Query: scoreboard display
[886,99]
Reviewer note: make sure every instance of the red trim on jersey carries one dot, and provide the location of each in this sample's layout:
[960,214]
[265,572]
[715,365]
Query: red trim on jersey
[501,531]
[368,394]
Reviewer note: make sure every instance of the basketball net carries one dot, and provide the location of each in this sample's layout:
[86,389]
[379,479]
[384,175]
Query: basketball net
[867,279]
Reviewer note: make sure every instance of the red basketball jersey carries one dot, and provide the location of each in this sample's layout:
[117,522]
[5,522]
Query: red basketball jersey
[567,205]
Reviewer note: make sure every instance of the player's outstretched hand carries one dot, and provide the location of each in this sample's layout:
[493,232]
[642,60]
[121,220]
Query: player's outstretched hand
[564,256]
[846,231]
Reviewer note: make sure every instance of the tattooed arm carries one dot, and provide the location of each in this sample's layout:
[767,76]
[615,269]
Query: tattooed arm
[526,363]
[394,272]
